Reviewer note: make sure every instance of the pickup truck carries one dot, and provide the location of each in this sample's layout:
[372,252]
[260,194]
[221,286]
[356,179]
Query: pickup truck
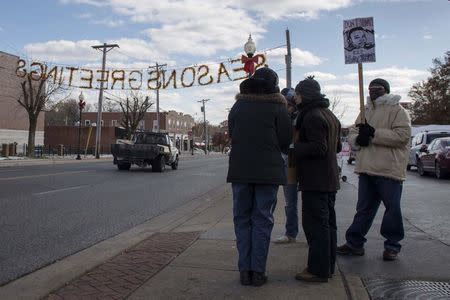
[146,148]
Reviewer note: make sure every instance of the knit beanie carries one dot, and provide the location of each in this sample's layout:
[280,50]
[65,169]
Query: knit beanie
[263,81]
[383,83]
[308,89]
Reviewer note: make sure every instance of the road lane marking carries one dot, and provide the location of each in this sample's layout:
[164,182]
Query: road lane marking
[60,190]
[42,175]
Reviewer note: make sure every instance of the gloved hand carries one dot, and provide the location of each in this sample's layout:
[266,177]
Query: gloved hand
[366,129]
[363,140]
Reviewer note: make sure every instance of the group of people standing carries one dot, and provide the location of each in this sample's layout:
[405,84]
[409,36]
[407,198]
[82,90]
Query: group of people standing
[291,138]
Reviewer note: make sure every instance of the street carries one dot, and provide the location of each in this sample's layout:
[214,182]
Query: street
[51,211]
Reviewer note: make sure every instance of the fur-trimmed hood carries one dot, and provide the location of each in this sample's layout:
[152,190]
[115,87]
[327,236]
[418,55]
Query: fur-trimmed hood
[271,98]
[386,99]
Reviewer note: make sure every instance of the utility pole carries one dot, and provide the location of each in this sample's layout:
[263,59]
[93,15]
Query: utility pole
[105,49]
[204,124]
[157,66]
[288,59]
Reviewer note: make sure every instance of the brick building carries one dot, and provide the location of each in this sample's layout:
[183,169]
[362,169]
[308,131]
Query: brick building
[178,125]
[13,117]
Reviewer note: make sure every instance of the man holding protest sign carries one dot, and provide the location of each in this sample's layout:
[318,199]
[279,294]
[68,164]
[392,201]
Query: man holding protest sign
[383,140]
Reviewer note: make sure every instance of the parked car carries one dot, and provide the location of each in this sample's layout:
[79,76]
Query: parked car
[435,158]
[420,141]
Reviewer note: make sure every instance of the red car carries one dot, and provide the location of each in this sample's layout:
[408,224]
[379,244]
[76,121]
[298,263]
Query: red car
[435,158]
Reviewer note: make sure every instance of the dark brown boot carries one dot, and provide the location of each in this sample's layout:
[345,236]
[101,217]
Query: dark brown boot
[389,255]
[259,278]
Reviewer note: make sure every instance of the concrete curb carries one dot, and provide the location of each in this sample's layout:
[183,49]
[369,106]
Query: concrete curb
[354,287]
[40,283]
[49,161]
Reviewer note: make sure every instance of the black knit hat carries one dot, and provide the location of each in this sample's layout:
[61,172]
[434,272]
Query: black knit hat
[263,81]
[308,88]
[383,83]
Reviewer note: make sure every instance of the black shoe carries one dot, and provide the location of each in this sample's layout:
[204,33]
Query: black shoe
[246,277]
[389,255]
[346,250]
[259,278]
[305,275]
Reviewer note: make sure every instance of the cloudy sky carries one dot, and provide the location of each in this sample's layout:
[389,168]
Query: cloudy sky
[180,33]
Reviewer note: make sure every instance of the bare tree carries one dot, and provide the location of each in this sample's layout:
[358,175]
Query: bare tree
[337,107]
[63,113]
[133,112]
[431,97]
[37,92]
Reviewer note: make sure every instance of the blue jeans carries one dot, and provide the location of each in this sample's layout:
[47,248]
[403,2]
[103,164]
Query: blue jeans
[371,191]
[253,206]
[291,210]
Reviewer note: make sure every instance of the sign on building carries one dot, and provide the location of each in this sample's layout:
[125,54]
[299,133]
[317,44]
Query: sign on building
[359,40]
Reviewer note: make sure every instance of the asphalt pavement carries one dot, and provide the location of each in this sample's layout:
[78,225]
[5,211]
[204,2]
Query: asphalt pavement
[54,210]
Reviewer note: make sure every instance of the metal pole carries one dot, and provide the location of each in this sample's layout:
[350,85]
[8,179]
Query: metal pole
[157,66]
[105,48]
[204,124]
[204,129]
[288,58]
[157,101]
[192,136]
[79,136]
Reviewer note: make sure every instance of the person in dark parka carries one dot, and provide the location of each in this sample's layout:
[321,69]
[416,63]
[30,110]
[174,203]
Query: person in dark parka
[318,178]
[260,130]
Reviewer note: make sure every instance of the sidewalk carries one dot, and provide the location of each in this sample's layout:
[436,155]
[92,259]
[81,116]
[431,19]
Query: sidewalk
[188,253]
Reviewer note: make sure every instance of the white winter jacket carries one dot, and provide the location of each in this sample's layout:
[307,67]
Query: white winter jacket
[388,151]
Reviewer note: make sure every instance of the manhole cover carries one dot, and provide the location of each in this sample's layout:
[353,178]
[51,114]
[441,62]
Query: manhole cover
[388,289]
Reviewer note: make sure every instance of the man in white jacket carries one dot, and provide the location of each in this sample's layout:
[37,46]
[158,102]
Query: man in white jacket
[381,164]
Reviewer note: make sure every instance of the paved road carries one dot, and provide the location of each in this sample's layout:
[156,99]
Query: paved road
[50,211]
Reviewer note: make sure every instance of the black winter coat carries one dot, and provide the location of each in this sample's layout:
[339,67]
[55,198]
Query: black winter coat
[260,129]
[315,150]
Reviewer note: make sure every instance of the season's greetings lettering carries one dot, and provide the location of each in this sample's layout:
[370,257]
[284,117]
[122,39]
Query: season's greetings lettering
[151,79]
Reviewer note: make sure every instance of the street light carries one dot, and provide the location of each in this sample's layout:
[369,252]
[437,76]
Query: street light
[251,59]
[81,104]
[250,47]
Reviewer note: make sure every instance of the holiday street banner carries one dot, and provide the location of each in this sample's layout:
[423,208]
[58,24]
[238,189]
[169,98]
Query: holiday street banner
[359,40]
[136,79]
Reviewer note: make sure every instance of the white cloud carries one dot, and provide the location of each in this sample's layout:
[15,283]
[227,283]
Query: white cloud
[85,16]
[291,8]
[108,22]
[299,57]
[400,80]
[320,76]
[64,51]
[97,3]
[201,27]
[203,37]
[385,36]
[427,37]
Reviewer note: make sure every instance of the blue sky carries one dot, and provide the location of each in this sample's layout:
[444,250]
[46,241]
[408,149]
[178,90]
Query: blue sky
[409,34]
